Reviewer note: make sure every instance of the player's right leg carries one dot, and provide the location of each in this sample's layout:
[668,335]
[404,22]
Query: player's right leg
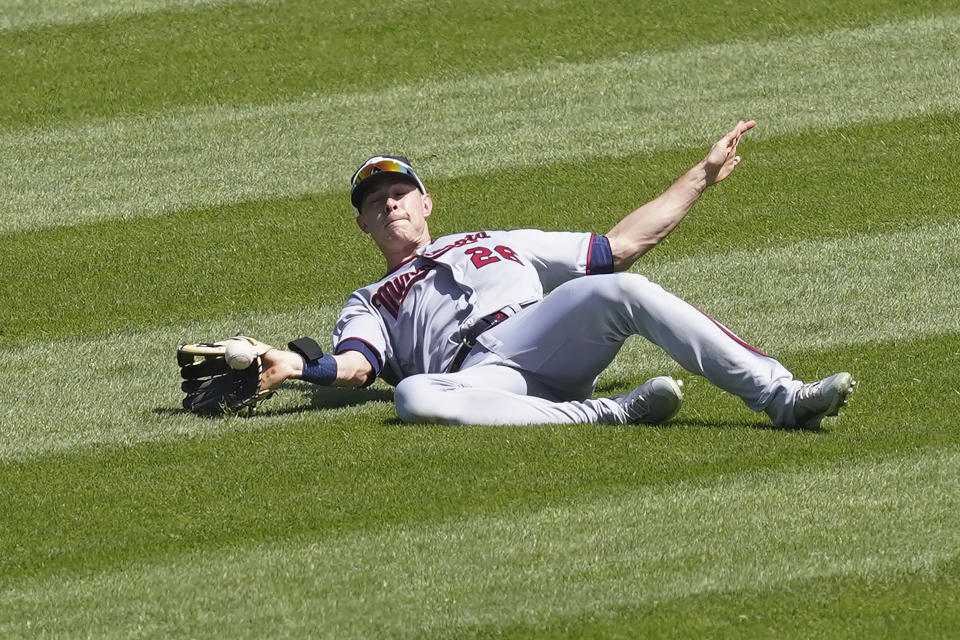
[578,328]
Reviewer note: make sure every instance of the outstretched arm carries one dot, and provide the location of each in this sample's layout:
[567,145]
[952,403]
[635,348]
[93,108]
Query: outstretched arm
[645,227]
[353,370]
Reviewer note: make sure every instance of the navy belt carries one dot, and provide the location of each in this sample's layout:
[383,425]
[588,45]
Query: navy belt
[470,337]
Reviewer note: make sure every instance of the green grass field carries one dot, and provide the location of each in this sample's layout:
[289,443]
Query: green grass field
[175,170]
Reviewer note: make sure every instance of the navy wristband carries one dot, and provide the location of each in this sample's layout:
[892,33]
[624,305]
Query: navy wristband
[320,371]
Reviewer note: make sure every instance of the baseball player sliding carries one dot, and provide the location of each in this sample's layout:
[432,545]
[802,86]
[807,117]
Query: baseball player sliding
[464,327]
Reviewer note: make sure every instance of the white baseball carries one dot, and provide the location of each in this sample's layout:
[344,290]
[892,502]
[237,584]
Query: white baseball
[239,354]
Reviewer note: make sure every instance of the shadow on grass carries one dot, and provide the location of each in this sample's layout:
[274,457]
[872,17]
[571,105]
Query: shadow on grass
[617,385]
[322,398]
[759,424]
[318,398]
[335,398]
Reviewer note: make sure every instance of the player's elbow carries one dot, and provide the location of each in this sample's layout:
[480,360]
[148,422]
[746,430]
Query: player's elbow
[353,370]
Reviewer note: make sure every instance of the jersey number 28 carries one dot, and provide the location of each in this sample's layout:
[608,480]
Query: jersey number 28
[482,256]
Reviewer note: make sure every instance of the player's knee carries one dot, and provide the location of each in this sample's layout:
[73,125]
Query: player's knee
[624,287]
[418,400]
[407,398]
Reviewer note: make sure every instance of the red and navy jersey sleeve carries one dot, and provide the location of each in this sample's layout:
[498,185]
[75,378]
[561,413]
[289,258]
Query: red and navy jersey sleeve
[367,350]
[599,255]
[361,329]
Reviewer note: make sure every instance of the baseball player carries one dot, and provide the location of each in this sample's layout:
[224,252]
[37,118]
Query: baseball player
[514,327]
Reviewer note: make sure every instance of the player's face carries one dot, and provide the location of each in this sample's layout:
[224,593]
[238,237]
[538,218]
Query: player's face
[395,213]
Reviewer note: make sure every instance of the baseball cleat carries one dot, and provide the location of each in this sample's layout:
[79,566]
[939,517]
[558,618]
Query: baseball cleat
[654,402]
[817,400]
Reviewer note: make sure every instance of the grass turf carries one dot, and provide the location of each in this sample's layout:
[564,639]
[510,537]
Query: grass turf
[259,52]
[324,516]
[129,275]
[247,477]
[148,165]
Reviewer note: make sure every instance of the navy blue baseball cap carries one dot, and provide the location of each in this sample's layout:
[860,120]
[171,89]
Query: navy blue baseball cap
[374,169]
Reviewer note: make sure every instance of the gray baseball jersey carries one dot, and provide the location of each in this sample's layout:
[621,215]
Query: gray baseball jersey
[540,361]
[412,320]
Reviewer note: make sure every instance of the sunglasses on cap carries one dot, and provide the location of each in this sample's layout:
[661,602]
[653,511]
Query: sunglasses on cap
[378,165]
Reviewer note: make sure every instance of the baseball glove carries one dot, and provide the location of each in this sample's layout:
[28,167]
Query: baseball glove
[211,386]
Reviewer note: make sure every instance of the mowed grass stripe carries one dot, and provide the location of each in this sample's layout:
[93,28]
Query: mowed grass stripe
[869,518]
[845,291]
[352,467]
[122,388]
[16,15]
[290,253]
[563,112]
[920,604]
[264,52]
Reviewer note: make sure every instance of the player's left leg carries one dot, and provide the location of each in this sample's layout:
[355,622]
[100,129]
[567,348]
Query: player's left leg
[487,392]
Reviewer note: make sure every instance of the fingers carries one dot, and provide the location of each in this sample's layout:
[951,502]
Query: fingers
[260,347]
[735,134]
[741,128]
[728,143]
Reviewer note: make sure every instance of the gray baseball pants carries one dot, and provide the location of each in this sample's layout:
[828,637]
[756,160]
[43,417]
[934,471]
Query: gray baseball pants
[540,366]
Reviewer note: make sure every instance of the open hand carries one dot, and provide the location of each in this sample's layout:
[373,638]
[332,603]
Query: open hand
[723,155]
